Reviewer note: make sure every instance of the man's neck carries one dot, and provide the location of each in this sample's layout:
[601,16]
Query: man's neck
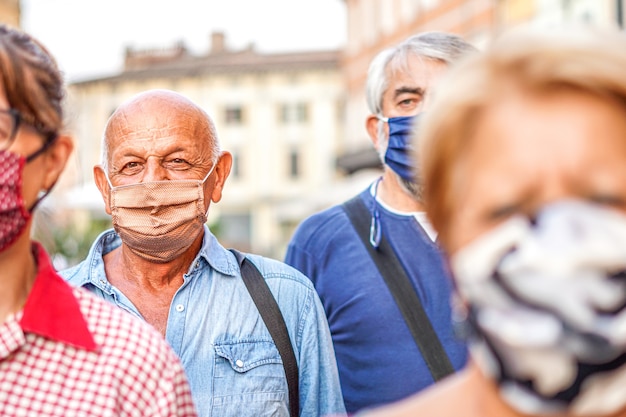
[149,286]
[393,195]
[124,265]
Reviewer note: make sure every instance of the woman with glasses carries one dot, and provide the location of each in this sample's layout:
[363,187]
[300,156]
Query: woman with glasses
[62,351]
[523,157]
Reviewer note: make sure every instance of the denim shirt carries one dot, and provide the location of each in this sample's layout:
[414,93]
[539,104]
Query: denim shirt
[233,366]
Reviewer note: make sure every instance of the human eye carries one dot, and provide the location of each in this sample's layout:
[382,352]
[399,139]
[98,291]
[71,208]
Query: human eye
[177,164]
[408,98]
[6,127]
[5,132]
[503,212]
[408,103]
[131,168]
[608,200]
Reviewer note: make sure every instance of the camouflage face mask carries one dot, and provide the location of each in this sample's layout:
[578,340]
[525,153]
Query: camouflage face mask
[546,308]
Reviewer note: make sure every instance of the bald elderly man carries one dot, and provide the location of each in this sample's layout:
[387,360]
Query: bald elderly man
[161,168]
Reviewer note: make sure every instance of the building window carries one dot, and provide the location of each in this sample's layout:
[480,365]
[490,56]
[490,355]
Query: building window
[233,115]
[294,164]
[294,113]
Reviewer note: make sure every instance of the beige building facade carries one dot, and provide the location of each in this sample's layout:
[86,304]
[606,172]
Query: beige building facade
[376,24]
[10,12]
[294,122]
[280,115]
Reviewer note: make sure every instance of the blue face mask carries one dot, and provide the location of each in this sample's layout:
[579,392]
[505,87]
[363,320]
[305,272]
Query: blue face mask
[400,149]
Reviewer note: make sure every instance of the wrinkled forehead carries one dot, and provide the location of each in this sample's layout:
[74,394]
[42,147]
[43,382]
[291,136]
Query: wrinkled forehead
[157,118]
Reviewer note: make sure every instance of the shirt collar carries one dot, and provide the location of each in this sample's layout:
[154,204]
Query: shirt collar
[94,265]
[51,309]
[218,258]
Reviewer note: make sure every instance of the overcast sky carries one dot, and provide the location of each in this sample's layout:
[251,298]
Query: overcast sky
[88,37]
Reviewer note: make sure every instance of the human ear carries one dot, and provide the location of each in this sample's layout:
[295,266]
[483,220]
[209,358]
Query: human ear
[56,159]
[100,179]
[222,170]
[371,125]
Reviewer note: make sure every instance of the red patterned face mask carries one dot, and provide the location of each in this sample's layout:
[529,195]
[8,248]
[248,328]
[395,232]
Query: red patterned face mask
[13,214]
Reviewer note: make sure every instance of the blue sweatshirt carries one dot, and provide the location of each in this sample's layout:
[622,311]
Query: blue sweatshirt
[378,359]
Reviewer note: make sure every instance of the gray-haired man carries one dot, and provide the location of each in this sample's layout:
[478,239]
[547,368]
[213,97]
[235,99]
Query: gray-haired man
[377,352]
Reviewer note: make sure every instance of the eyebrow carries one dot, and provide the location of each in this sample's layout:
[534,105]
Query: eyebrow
[412,90]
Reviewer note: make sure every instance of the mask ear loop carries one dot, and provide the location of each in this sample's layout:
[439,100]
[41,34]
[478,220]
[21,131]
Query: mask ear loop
[206,214]
[209,173]
[106,175]
[375,229]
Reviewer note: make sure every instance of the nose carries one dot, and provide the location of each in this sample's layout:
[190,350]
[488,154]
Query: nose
[154,170]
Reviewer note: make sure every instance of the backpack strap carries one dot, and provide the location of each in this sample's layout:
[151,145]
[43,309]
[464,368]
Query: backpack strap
[402,290]
[275,323]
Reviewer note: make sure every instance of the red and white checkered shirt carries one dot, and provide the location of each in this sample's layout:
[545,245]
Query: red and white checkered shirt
[68,353]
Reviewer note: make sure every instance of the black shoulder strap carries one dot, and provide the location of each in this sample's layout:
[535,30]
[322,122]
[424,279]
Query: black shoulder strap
[403,292]
[273,319]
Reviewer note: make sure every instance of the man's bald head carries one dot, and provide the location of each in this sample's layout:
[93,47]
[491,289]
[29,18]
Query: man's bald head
[162,111]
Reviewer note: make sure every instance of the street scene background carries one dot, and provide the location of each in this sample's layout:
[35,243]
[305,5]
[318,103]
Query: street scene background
[282,79]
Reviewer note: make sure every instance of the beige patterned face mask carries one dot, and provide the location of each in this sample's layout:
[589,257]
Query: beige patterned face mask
[159,220]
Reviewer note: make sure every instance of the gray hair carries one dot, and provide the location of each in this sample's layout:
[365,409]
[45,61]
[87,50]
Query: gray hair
[440,46]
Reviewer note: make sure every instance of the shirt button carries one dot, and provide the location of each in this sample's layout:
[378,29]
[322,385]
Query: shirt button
[180,307]
[239,363]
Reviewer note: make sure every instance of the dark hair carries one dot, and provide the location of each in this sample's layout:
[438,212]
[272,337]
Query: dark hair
[31,80]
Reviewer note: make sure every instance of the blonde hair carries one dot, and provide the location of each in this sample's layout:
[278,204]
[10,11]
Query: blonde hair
[521,61]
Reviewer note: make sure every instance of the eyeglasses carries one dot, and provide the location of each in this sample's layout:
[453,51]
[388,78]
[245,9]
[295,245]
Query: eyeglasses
[10,120]
[9,123]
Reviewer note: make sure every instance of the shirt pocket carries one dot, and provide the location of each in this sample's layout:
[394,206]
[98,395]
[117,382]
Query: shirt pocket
[249,380]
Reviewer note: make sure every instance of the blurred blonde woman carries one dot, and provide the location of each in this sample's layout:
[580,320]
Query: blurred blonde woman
[63,352]
[523,158]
